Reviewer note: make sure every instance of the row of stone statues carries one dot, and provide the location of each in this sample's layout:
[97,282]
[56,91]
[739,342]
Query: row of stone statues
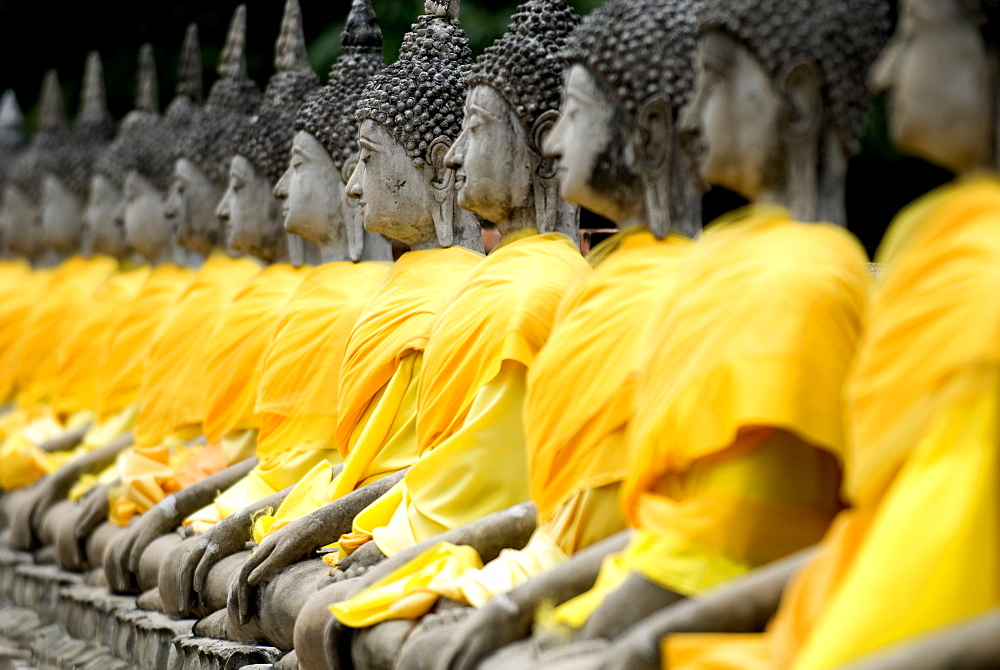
[742,447]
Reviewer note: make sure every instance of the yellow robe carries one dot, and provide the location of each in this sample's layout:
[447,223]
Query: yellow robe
[172,406]
[575,433]
[65,300]
[172,397]
[739,413]
[79,360]
[296,399]
[122,365]
[379,378]
[21,289]
[470,428]
[236,349]
[921,547]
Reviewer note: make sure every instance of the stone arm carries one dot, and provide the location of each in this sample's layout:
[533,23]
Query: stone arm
[744,605]
[68,440]
[300,538]
[509,617]
[57,485]
[167,515]
[973,644]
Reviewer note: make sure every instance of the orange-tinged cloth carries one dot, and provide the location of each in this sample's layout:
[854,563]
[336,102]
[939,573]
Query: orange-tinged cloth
[63,302]
[80,358]
[236,349]
[134,332]
[379,380]
[172,393]
[921,547]
[296,399]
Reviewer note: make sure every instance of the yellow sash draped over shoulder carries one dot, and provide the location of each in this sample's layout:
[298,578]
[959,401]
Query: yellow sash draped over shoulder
[921,549]
[296,399]
[470,429]
[741,398]
[172,395]
[22,290]
[236,349]
[80,359]
[381,368]
[64,301]
[133,335]
[575,430]
[395,324]
[504,311]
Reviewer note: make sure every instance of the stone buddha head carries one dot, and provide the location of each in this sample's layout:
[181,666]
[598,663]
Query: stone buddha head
[512,105]
[201,170]
[20,206]
[409,116]
[628,75]
[940,73]
[263,143]
[11,142]
[780,97]
[325,151]
[65,189]
[126,191]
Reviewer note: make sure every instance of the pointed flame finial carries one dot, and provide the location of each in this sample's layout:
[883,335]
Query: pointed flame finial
[362,29]
[52,110]
[233,61]
[93,99]
[147,97]
[189,70]
[447,9]
[290,51]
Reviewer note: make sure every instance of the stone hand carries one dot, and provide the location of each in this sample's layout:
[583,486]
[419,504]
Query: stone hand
[498,623]
[95,508]
[171,512]
[121,565]
[279,550]
[634,653]
[51,490]
[225,538]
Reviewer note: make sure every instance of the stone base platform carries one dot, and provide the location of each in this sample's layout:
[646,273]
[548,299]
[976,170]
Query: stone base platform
[51,619]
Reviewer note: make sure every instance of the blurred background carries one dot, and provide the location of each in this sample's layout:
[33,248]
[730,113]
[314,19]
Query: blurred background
[38,35]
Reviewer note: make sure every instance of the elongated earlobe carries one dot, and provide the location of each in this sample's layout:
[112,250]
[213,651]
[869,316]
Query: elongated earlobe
[653,147]
[443,187]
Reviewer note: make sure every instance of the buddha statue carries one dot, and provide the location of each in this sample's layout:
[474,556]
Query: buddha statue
[648,574]
[64,190]
[20,206]
[206,148]
[907,424]
[619,119]
[263,145]
[294,436]
[325,151]
[249,322]
[135,160]
[131,175]
[384,337]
